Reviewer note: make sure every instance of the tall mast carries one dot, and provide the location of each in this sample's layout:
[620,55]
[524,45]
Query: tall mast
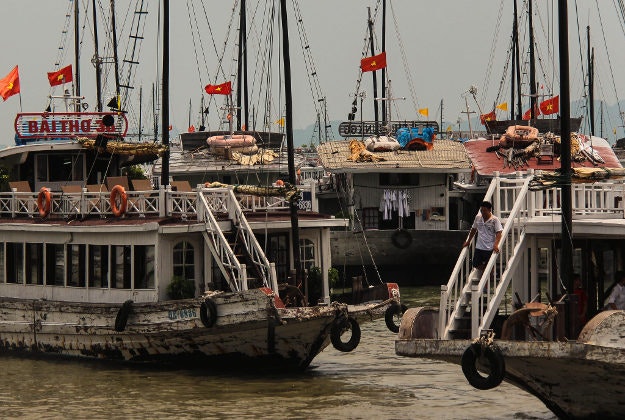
[242,69]
[115,58]
[77,52]
[517,58]
[383,50]
[375,78]
[165,99]
[97,62]
[532,63]
[289,138]
[566,269]
[591,84]
[140,111]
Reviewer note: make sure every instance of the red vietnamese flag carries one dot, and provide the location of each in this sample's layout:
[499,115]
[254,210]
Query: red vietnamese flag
[491,116]
[374,63]
[527,115]
[222,89]
[61,76]
[10,85]
[550,106]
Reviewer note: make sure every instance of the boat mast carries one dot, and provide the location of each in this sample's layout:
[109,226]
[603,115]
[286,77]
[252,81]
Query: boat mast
[373,73]
[97,61]
[591,84]
[516,68]
[289,138]
[115,58]
[384,68]
[566,264]
[242,69]
[532,64]
[77,53]
[165,98]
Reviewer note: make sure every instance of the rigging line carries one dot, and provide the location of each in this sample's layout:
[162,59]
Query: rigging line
[493,48]
[202,49]
[620,13]
[194,27]
[212,37]
[311,71]
[605,42]
[411,88]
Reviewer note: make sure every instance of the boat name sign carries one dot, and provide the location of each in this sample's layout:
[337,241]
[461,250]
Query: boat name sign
[182,314]
[47,125]
[368,128]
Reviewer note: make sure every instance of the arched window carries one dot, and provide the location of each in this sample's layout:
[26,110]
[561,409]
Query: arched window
[184,258]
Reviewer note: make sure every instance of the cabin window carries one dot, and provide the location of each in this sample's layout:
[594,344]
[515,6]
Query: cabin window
[307,253]
[2,276]
[370,218]
[55,264]
[60,168]
[34,263]
[121,260]
[76,265]
[184,261]
[98,266]
[144,267]
[395,179]
[15,262]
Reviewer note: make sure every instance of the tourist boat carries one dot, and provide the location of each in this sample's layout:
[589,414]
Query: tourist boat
[401,202]
[96,265]
[522,318]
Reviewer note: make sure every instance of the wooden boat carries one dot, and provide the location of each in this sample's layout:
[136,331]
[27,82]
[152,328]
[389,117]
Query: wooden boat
[143,275]
[520,325]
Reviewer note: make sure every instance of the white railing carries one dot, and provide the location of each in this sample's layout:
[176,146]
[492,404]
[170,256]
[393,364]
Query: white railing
[515,204]
[231,268]
[254,250]
[143,203]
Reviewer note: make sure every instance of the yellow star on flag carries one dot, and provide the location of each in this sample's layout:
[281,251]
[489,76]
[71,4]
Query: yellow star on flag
[10,86]
[373,64]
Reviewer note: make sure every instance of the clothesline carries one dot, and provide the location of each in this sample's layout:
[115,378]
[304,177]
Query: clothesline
[392,200]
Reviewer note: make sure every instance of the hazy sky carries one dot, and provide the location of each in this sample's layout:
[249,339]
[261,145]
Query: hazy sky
[448,47]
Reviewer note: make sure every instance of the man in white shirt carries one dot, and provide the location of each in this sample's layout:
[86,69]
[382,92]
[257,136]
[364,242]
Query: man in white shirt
[488,228]
[616,300]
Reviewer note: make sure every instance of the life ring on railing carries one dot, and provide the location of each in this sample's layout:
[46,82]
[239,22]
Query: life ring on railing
[122,316]
[118,193]
[338,328]
[389,316]
[44,201]
[496,364]
[208,312]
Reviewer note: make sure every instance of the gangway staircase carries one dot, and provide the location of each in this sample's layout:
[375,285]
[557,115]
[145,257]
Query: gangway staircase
[235,250]
[471,298]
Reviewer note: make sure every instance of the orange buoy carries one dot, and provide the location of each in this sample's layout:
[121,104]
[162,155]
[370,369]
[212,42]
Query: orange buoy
[118,193]
[44,201]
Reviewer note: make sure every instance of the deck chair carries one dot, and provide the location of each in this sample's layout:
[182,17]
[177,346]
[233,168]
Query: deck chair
[181,186]
[141,185]
[111,181]
[71,198]
[20,186]
[98,204]
[24,199]
[141,202]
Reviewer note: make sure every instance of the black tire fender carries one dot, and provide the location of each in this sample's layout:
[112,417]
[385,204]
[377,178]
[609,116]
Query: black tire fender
[389,316]
[122,316]
[495,360]
[339,327]
[208,312]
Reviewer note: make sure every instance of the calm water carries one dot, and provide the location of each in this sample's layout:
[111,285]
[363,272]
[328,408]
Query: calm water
[369,383]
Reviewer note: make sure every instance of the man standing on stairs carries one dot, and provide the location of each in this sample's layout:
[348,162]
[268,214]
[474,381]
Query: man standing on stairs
[488,228]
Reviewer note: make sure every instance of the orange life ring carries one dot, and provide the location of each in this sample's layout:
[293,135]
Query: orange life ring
[44,201]
[118,193]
